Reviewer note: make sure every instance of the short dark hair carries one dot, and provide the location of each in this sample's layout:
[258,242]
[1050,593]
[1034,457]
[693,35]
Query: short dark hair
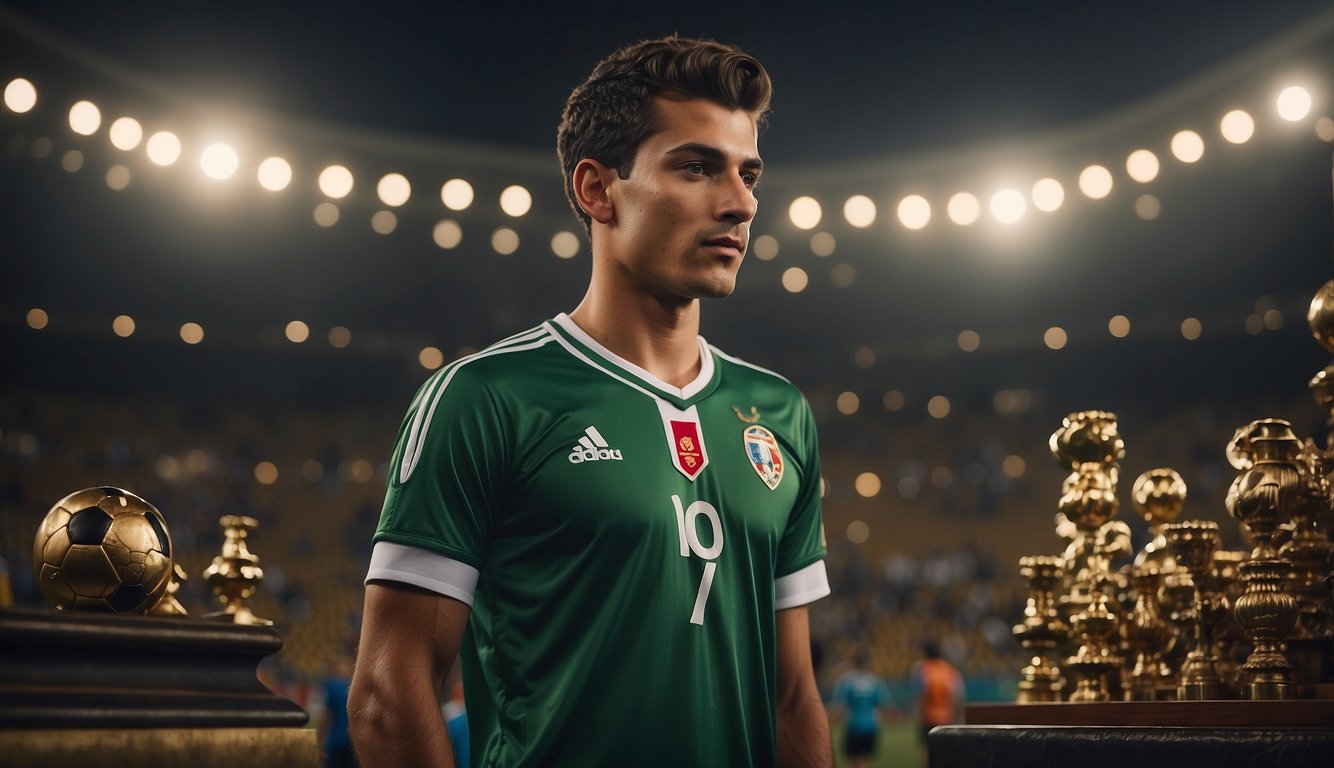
[610,113]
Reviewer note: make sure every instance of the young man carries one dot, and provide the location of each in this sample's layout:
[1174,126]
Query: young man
[615,524]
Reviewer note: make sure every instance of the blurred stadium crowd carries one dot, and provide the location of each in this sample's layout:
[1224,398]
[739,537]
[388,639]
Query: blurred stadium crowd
[926,551]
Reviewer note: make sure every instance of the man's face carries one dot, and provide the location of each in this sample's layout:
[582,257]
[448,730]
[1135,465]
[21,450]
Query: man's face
[682,218]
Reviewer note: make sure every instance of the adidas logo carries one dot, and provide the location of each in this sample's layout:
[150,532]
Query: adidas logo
[593,447]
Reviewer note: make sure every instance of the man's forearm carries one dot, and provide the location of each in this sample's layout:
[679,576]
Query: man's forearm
[803,734]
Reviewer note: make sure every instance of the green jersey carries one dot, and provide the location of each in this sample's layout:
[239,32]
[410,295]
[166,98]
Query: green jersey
[624,545]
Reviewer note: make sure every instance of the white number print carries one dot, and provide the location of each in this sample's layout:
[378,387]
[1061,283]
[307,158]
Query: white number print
[689,535]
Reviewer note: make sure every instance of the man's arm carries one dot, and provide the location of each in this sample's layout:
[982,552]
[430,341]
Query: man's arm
[803,726]
[409,638]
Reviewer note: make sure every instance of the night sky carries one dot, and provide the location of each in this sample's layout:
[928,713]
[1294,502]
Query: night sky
[881,100]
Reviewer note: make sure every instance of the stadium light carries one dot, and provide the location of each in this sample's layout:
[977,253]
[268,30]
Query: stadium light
[219,161]
[20,95]
[335,182]
[394,189]
[85,118]
[964,208]
[914,212]
[515,200]
[1048,195]
[163,148]
[1294,103]
[804,212]
[125,133]
[1187,146]
[1237,126]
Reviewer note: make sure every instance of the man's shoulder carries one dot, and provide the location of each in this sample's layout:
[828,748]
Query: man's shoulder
[755,374]
[506,358]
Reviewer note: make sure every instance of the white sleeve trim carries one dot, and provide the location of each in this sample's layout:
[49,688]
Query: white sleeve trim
[422,568]
[805,586]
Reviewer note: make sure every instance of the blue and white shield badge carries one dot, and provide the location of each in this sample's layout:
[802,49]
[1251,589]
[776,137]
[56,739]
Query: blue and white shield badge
[762,450]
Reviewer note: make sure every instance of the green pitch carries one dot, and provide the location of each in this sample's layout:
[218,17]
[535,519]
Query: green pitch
[898,747]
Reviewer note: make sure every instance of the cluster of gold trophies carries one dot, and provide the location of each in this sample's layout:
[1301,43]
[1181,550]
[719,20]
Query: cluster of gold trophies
[107,549]
[1187,620]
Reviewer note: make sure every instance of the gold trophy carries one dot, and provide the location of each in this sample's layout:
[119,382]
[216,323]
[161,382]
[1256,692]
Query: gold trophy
[1192,544]
[235,574]
[1263,496]
[1041,631]
[1159,495]
[1147,633]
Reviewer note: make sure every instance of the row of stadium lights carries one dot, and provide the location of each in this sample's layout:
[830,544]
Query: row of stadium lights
[1265,317]
[220,161]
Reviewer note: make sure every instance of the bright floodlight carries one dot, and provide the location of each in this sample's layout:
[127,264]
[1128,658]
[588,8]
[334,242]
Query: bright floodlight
[1187,146]
[1294,103]
[20,95]
[823,244]
[163,148]
[963,208]
[1008,206]
[1055,337]
[456,194]
[126,133]
[297,332]
[219,161]
[1119,326]
[804,212]
[336,181]
[515,200]
[274,174]
[1142,166]
[1237,126]
[859,210]
[1048,195]
[914,212]
[1095,181]
[394,189]
[85,118]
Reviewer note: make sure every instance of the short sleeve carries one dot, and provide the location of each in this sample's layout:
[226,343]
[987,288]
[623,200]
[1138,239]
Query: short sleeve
[448,464]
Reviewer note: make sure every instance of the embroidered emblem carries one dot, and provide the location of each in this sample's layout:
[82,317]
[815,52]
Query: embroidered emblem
[762,450]
[687,447]
[751,419]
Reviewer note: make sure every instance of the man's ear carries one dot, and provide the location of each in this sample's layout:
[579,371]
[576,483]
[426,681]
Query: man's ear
[592,189]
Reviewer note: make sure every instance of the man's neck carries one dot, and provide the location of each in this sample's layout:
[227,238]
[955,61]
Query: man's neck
[660,338]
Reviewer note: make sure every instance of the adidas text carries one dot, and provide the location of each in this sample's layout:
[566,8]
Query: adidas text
[579,455]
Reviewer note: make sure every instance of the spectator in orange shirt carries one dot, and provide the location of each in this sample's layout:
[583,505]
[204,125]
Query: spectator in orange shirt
[937,689]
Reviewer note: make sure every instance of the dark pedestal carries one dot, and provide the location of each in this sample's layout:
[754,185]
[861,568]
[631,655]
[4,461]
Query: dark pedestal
[1217,734]
[1051,746]
[96,689]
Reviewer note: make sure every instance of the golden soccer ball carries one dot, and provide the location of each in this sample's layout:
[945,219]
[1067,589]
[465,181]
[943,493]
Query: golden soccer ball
[103,549]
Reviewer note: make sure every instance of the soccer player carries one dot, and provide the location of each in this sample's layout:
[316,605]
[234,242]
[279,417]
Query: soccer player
[864,700]
[613,523]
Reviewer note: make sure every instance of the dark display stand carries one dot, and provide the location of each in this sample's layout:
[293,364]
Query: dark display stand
[1217,734]
[94,689]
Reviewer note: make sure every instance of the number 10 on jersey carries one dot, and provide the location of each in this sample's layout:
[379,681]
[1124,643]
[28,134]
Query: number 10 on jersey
[689,536]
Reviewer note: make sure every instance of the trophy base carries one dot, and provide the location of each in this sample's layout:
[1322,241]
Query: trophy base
[1206,691]
[196,747]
